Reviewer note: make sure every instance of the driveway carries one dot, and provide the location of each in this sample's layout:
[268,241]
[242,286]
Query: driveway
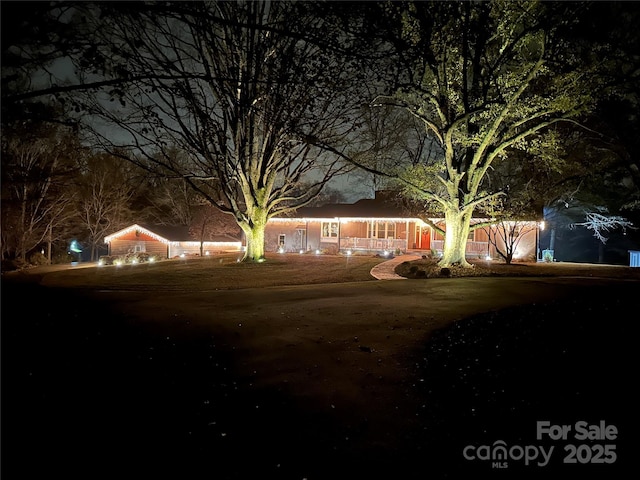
[319,381]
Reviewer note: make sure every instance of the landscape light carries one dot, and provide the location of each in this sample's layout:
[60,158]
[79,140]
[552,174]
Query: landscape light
[317,251]
[301,251]
[348,252]
[488,257]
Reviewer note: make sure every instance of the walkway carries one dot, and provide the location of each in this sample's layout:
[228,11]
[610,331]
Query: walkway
[385,270]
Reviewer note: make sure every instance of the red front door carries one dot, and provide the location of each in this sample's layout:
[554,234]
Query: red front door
[425,242]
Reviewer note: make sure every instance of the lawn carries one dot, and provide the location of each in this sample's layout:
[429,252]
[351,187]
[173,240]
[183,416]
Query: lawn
[220,272]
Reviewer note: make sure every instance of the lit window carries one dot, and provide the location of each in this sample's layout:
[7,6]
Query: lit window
[329,229]
[381,230]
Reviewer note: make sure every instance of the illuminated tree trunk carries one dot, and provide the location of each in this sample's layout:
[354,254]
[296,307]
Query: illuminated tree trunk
[255,242]
[455,239]
[253,229]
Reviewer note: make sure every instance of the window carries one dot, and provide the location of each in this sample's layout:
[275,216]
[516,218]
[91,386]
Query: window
[390,230]
[381,230]
[329,229]
[281,238]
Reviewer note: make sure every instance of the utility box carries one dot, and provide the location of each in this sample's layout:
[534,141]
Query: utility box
[634,258]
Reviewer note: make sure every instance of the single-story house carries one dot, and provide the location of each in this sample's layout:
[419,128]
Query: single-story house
[167,241]
[375,226]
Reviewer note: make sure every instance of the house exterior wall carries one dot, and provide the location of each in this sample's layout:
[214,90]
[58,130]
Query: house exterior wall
[150,246]
[176,249]
[364,235]
[294,237]
[332,235]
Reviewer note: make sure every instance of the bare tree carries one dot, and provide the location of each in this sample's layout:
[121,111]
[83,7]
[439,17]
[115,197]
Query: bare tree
[105,187]
[36,198]
[239,87]
[600,222]
[210,223]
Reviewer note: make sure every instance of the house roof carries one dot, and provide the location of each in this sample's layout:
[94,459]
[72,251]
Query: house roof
[384,205]
[368,207]
[169,233]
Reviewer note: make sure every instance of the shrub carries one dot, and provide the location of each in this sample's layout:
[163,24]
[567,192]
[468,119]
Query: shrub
[12,265]
[106,260]
[37,259]
[445,272]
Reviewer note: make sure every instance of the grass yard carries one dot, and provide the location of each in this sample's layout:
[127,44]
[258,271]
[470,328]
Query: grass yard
[221,272]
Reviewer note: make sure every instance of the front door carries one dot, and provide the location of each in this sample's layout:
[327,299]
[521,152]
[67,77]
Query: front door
[425,241]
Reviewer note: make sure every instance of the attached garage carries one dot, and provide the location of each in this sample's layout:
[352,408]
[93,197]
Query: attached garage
[165,241]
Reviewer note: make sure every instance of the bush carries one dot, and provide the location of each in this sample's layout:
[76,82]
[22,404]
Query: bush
[137,257]
[13,265]
[37,259]
[60,258]
[445,272]
[106,260]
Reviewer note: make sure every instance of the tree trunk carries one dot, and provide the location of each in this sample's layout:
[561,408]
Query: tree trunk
[455,239]
[254,233]
[49,243]
[255,242]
